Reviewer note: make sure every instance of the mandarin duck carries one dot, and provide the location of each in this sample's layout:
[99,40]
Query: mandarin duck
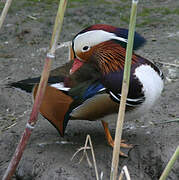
[89,86]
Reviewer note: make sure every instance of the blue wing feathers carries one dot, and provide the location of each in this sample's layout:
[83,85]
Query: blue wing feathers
[92,90]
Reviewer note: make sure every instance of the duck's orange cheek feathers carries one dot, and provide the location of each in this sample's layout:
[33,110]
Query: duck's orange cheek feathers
[76,65]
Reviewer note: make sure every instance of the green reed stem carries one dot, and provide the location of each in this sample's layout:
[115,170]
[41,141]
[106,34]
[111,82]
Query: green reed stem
[125,88]
[170,164]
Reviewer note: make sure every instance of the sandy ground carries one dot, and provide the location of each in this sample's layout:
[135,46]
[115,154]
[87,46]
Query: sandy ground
[24,39]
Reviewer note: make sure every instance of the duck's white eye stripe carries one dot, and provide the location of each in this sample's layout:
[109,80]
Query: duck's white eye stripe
[120,39]
[92,38]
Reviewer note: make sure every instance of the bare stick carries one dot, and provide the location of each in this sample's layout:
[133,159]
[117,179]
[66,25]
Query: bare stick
[40,92]
[170,164]
[4,12]
[125,88]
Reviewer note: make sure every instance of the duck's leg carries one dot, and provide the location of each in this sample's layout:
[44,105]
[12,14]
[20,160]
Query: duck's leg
[111,141]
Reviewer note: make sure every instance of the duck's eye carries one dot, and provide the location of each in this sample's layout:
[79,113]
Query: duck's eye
[85,48]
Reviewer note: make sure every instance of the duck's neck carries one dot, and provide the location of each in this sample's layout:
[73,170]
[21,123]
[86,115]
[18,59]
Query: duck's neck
[110,57]
[86,73]
[115,63]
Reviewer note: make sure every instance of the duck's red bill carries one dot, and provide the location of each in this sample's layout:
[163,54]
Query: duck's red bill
[76,65]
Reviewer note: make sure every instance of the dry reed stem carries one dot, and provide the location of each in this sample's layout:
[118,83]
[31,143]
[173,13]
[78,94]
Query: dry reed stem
[84,153]
[4,12]
[126,172]
[88,140]
[40,92]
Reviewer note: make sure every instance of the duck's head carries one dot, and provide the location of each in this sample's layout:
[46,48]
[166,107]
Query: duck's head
[101,45]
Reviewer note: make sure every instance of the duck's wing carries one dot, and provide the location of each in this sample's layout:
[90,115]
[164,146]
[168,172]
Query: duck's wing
[57,75]
[55,107]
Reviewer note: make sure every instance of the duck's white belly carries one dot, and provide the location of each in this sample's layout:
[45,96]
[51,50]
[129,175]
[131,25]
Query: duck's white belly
[152,87]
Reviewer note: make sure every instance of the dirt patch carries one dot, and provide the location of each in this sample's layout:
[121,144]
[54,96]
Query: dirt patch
[24,39]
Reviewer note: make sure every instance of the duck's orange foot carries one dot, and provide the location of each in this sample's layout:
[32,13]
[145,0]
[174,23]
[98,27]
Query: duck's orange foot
[111,142]
[123,145]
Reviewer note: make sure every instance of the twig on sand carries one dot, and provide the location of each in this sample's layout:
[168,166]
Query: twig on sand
[32,17]
[12,125]
[88,139]
[126,172]
[170,164]
[169,121]
[168,64]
